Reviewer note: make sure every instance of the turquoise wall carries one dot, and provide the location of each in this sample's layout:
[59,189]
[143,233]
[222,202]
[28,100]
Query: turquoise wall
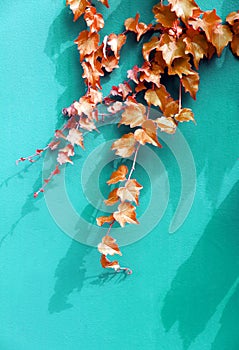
[184,290]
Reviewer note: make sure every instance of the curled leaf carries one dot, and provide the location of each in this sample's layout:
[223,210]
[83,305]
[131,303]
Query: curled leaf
[106,263]
[118,175]
[101,220]
[112,198]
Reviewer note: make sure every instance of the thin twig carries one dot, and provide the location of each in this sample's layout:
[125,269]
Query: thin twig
[134,161]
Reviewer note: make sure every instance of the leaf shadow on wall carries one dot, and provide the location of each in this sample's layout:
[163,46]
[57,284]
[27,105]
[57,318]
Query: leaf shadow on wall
[30,203]
[206,277]
[227,336]
[62,33]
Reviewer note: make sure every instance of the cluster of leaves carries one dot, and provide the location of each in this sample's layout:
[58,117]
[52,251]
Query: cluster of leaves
[181,36]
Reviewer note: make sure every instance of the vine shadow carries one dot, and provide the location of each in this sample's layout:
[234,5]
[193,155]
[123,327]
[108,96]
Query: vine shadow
[207,276]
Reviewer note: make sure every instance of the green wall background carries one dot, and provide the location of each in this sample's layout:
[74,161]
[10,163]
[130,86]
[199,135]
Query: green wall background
[184,291]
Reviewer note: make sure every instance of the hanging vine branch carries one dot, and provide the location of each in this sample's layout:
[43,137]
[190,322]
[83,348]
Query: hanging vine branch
[181,36]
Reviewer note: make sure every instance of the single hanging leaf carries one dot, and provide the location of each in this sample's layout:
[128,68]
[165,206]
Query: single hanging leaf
[118,175]
[164,15]
[77,7]
[112,198]
[148,134]
[108,246]
[87,43]
[221,36]
[133,25]
[75,137]
[115,107]
[134,114]
[106,263]
[166,125]
[183,8]
[130,192]
[93,19]
[125,146]
[190,83]
[185,115]
[101,220]
[125,214]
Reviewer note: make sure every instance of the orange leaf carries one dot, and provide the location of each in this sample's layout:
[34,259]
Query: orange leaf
[221,36]
[118,175]
[116,42]
[171,48]
[183,8]
[87,43]
[108,246]
[180,66]
[106,263]
[208,23]
[125,214]
[110,63]
[232,17]
[130,192]
[93,19]
[190,83]
[125,146]
[196,45]
[112,198]
[134,114]
[160,97]
[77,7]
[150,46]
[185,115]
[235,44]
[164,15]
[166,125]
[101,220]
[133,25]
[92,74]
[148,134]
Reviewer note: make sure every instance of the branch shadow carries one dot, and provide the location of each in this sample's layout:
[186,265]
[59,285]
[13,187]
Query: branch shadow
[205,278]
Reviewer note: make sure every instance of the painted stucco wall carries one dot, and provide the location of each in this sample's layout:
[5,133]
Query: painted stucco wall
[54,295]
